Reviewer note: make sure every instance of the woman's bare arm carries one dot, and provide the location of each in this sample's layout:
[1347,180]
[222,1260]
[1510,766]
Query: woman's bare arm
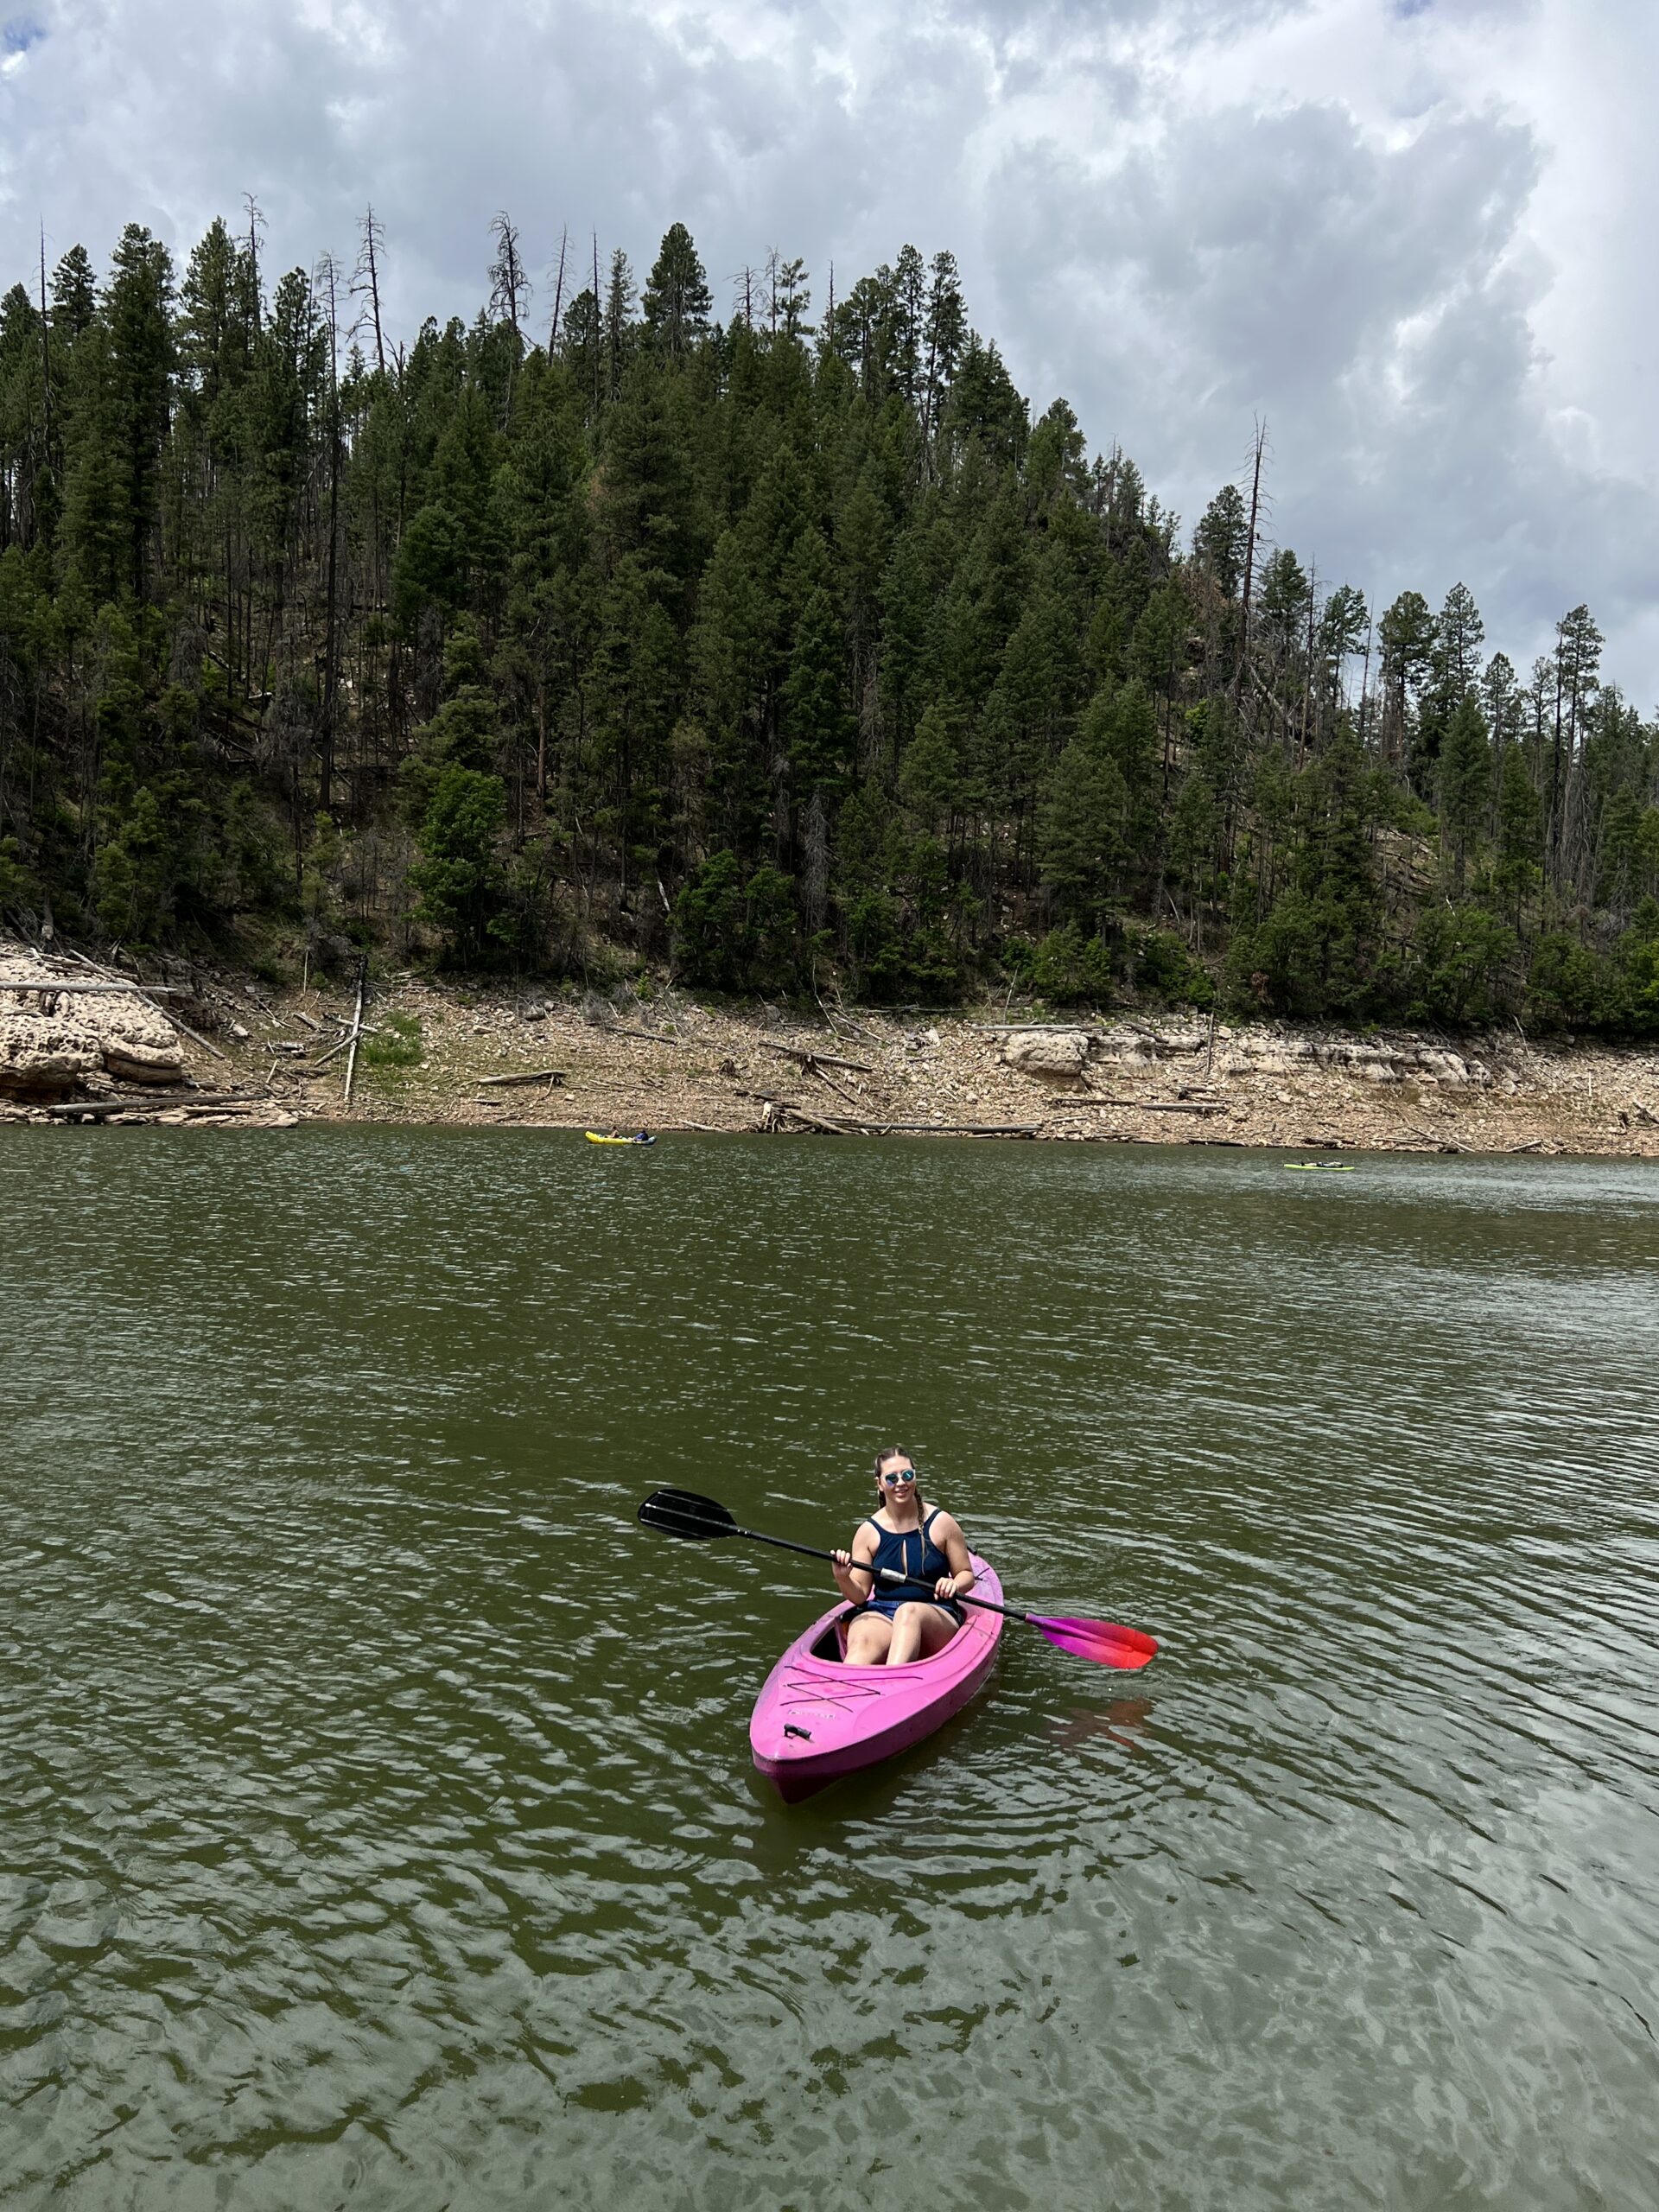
[855,1576]
[951,1541]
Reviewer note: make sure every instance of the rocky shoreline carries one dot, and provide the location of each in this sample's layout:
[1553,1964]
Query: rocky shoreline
[81,1042]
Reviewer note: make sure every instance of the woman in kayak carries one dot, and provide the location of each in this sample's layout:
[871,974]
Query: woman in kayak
[894,1624]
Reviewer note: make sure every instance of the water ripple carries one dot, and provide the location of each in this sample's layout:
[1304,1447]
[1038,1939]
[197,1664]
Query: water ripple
[378,1823]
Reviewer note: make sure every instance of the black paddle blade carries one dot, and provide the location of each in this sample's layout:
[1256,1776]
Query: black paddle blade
[682,1513]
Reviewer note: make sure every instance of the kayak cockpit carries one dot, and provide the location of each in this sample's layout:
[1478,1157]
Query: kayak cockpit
[832,1644]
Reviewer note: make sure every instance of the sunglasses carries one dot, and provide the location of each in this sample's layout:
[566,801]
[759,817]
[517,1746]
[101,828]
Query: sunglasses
[893,1481]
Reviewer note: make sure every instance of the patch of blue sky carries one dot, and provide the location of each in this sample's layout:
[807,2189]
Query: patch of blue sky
[20,33]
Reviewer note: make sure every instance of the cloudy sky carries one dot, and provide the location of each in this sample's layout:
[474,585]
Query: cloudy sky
[1409,234]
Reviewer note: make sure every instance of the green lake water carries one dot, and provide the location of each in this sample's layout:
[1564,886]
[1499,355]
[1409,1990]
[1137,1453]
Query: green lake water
[377,1826]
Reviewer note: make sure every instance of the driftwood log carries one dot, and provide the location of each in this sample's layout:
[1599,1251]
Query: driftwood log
[813,1121]
[357,1030]
[1037,1028]
[952,1128]
[75,983]
[551,1076]
[873,1125]
[100,1109]
[833,1014]
[189,1101]
[812,1067]
[1143,1105]
[810,1058]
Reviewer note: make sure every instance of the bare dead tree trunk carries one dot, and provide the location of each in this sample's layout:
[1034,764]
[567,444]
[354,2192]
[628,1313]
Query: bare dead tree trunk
[46,360]
[1365,681]
[558,290]
[331,632]
[598,348]
[255,230]
[1553,833]
[510,287]
[541,741]
[1250,557]
[1308,668]
[368,270]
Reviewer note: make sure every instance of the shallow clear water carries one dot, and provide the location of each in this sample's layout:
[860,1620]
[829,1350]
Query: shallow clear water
[377,1818]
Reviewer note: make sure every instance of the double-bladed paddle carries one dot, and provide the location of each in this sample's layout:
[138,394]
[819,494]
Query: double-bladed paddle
[682,1513]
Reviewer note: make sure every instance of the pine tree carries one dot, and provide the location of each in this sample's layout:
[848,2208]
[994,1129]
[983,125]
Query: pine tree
[1520,831]
[985,409]
[1577,680]
[905,286]
[817,725]
[676,303]
[1343,623]
[618,326]
[791,298]
[930,773]
[1465,779]
[74,296]
[1082,839]
[1220,540]
[945,337]
[1454,660]
[1406,637]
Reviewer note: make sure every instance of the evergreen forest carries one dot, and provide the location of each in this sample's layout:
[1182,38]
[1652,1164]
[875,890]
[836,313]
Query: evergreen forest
[778,647]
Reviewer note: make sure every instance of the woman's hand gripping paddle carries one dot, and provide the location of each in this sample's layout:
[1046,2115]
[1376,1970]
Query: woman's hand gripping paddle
[682,1513]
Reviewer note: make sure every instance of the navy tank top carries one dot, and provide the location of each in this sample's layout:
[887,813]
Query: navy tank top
[910,1551]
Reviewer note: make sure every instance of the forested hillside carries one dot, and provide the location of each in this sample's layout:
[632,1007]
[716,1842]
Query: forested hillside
[786,647]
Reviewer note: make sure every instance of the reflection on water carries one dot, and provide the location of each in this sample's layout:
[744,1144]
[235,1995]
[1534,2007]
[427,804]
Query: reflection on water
[377,1820]
[1122,1720]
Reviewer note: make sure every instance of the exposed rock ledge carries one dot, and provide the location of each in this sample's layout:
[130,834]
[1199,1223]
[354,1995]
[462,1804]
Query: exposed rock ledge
[490,1055]
[55,1037]
[1056,1050]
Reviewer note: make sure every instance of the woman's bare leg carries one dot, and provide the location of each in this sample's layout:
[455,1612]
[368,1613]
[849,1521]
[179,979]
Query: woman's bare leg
[917,1632]
[867,1638]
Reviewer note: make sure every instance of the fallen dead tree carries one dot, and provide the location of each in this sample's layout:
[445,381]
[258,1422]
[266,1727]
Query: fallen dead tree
[1143,1105]
[874,1126]
[357,1030]
[809,1058]
[75,984]
[188,1101]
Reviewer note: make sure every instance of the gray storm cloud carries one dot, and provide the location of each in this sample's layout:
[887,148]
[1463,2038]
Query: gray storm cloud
[1396,233]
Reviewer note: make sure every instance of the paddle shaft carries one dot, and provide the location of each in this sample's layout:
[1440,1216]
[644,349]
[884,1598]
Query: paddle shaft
[683,1513]
[881,1573]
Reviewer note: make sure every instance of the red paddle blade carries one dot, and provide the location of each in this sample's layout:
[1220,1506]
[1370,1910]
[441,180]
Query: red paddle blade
[1103,1642]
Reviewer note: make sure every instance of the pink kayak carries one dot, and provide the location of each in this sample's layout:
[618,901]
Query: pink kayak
[817,1718]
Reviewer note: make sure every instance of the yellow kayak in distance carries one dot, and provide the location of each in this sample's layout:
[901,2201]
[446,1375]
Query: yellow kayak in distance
[593,1137]
[1319,1166]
